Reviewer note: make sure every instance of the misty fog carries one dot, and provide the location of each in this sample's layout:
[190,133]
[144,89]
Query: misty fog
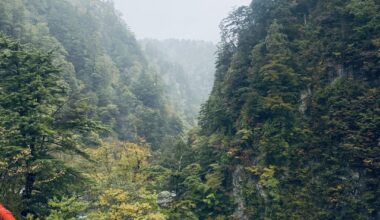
[139,110]
[180,19]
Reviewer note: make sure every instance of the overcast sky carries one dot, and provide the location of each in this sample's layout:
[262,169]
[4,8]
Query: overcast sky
[183,19]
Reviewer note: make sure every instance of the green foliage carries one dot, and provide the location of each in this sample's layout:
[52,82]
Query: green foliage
[290,130]
[66,208]
[288,103]
[100,59]
[36,127]
[88,67]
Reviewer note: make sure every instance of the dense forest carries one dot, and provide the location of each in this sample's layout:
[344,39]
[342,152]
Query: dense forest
[96,125]
[75,88]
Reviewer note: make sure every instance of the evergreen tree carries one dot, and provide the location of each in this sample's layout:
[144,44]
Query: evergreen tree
[36,128]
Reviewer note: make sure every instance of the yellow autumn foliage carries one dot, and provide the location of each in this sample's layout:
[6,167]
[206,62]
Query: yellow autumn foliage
[121,182]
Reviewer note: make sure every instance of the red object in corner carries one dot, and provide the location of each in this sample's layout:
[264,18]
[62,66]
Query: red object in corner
[5,214]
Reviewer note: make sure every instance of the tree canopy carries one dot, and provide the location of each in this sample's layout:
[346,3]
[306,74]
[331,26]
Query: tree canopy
[95,125]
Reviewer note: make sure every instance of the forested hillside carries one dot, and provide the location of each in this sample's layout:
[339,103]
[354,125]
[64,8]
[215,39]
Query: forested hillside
[91,123]
[100,58]
[292,127]
[187,68]
[73,77]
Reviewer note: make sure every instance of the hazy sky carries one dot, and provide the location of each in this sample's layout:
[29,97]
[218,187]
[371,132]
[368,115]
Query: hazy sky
[183,19]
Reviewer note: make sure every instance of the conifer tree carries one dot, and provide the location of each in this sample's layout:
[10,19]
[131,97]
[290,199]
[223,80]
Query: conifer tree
[35,126]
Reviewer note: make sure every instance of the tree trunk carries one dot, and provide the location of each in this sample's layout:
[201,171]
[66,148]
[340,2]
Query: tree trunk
[27,194]
[30,178]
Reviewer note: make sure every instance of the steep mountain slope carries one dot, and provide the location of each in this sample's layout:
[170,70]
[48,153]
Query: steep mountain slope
[102,59]
[291,129]
[102,90]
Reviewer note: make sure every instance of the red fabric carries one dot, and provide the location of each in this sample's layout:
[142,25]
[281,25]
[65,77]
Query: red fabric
[5,214]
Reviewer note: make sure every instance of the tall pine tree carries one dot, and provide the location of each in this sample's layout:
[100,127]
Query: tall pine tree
[38,121]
